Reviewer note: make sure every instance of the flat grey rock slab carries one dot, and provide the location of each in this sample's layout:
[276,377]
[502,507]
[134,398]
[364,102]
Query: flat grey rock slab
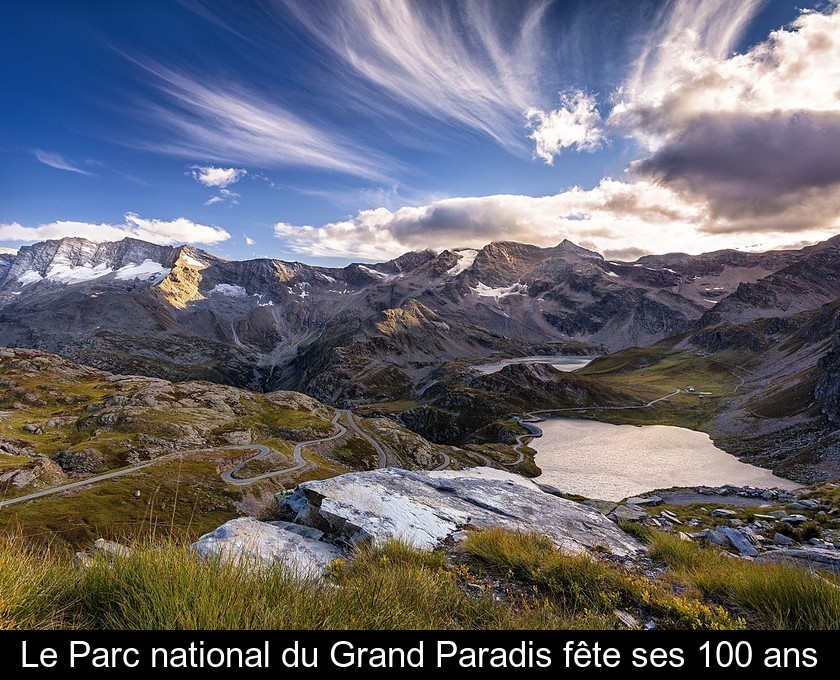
[816,558]
[248,541]
[738,541]
[644,500]
[624,512]
[424,508]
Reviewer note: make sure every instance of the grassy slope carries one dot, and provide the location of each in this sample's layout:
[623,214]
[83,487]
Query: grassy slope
[497,580]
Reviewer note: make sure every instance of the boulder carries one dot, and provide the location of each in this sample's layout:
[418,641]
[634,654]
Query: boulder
[627,514]
[110,548]
[795,519]
[723,512]
[716,537]
[815,558]
[424,508]
[604,507]
[644,500]
[249,541]
[781,539]
[738,541]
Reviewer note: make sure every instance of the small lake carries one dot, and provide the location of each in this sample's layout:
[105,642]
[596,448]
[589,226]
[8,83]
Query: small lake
[612,462]
[560,363]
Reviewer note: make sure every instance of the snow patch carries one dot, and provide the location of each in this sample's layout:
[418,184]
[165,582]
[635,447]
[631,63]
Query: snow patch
[193,262]
[29,277]
[466,258]
[713,302]
[229,290]
[372,272]
[328,279]
[148,270]
[486,291]
[65,273]
[613,274]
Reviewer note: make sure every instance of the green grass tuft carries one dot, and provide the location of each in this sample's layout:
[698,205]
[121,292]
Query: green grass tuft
[771,596]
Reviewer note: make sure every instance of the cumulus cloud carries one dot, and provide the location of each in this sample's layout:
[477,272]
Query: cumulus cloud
[756,135]
[577,123]
[59,162]
[249,241]
[211,176]
[614,217]
[164,232]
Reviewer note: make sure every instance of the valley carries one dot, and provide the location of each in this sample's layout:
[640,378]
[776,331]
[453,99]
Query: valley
[247,378]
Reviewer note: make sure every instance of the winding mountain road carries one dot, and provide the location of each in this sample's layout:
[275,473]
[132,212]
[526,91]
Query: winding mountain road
[227,475]
[74,485]
[383,459]
[446,462]
[263,451]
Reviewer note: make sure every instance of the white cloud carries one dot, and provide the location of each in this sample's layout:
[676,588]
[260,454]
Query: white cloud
[689,73]
[756,135]
[59,162]
[225,122]
[474,63]
[211,176]
[213,199]
[249,241]
[614,217]
[577,123]
[165,232]
[8,251]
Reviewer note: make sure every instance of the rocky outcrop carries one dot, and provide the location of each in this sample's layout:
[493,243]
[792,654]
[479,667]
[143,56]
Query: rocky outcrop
[247,540]
[813,558]
[426,508]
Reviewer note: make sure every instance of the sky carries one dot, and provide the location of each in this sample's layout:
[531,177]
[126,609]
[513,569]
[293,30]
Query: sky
[330,131]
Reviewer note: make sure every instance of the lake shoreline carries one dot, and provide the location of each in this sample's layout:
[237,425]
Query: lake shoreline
[612,462]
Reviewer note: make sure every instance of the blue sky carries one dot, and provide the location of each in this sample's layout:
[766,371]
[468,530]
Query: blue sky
[330,131]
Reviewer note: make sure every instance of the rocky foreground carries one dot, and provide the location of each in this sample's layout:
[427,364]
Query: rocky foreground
[320,520]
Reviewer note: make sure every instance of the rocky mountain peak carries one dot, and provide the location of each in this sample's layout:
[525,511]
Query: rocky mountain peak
[409,261]
[567,247]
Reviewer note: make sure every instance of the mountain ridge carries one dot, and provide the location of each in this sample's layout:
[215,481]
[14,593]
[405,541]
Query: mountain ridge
[356,333]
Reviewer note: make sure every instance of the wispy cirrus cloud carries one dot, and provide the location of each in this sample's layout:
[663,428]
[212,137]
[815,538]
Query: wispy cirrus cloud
[229,122]
[733,149]
[476,64]
[59,162]
[165,232]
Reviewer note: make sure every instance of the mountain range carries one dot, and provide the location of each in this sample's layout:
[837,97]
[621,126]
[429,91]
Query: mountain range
[410,328]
